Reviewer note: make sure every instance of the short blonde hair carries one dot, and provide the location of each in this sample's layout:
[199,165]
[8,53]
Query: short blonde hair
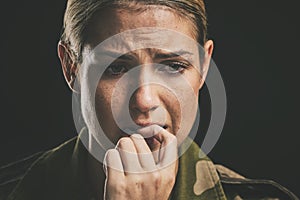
[79,13]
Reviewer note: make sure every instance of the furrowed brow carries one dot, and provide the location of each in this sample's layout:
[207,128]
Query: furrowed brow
[118,55]
[156,54]
[170,55]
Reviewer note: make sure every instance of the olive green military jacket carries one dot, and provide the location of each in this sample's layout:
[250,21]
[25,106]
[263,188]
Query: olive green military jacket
[61,174]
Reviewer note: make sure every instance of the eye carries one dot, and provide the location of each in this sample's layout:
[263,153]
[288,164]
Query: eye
[116,69]
[173,67]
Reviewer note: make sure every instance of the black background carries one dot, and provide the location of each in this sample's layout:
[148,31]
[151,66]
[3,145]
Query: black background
[256,50]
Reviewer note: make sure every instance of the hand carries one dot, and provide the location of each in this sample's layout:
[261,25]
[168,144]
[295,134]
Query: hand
[131,170]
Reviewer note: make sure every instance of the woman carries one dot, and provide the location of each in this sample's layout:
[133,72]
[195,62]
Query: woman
[144,56]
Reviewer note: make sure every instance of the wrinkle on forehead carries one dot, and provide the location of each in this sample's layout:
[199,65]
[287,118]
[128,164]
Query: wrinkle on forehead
[145,38]
[113,21]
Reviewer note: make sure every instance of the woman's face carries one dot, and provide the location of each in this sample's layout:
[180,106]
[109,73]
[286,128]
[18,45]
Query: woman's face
[171,100]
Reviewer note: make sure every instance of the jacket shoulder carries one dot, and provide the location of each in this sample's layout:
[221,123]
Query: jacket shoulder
[239,187]
[11,174]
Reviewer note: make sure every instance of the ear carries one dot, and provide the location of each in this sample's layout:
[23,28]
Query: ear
[208,51]
[68,64]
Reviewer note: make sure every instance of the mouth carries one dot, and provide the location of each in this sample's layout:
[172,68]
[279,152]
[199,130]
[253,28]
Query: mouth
[147,132]
[139,126]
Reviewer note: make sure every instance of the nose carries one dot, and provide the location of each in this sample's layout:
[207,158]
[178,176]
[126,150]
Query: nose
[145,99]
[146,96]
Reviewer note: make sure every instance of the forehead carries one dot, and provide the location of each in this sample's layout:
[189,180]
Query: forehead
[111,21]
[159,43]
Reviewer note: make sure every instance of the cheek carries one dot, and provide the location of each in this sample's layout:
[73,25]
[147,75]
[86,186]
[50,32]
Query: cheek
[188,106]
[104,114]
[103,106]
[108,103]
[103,96]
[173,107]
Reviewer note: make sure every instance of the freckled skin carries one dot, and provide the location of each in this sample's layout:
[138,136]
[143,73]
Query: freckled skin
[117,21]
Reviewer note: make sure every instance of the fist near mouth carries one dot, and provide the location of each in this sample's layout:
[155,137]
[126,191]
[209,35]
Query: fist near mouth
[137,169]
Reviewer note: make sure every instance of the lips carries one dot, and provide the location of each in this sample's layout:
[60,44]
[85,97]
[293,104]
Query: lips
[164,126]
[148,130]
[141,126]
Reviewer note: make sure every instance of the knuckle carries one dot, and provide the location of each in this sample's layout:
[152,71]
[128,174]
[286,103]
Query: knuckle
[110,154]
[123,142]
[172,139]
[156,175]
[136,136]
[157,179]
[116,186]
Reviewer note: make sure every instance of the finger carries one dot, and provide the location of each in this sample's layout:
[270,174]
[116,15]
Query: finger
[168,150]
[128,155]
[154,145]
[144,153]
[113,167]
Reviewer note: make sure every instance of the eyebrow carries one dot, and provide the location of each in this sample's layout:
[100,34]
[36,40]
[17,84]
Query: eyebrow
[157,54]
[168,55]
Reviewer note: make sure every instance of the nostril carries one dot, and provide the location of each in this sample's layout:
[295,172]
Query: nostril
[145,99]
